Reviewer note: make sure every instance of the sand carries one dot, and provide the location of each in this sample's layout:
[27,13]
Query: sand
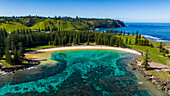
[84,48]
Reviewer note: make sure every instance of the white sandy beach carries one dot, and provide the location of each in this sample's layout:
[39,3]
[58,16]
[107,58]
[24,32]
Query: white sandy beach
[85,47]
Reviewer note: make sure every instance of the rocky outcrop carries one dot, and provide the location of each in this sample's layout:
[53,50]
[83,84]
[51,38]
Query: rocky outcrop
[15,68]
[161,84]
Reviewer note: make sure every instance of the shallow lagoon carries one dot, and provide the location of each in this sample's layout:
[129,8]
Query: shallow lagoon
[81,72]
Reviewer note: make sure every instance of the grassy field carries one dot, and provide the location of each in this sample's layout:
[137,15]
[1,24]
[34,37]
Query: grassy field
[59,24]
[40,47]
[5,63]
[160,74]
[154,53]
[12,26]
[42,25]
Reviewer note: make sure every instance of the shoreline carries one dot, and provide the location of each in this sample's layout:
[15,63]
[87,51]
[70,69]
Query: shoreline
[30,55]
[162,85]
[128,50]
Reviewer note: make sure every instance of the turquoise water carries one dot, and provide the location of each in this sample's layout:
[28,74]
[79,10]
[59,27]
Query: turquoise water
[85,72]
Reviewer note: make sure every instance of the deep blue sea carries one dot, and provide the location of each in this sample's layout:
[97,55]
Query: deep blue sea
[159,32]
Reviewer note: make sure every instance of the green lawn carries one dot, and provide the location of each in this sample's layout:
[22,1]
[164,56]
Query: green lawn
[5,63]
[154,53]
[160,74]
[40,47]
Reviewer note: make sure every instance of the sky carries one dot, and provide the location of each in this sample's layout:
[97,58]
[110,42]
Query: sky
[125,10]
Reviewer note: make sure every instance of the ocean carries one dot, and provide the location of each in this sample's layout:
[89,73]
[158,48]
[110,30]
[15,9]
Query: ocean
[159,32]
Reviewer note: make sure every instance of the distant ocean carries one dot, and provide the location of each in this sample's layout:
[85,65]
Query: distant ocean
[159,32]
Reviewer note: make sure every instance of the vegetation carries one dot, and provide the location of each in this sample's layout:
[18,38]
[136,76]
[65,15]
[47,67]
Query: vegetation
[56,23]
[31,31]
[14,44]
[145,64]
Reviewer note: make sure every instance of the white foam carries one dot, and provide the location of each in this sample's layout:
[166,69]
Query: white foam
[155,38]
[31,68]
[97,28]
[3,73]
[140,83]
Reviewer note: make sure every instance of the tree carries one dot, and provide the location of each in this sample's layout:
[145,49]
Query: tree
[8,56]
[140,36]
[121,44]
[75,40]
[167,51]
[151,45]
[1,53]
[70,39]
[126,40]
[145,64]
[12,46]
[136,39]
[111,41]
[79,39]
[21,50]
[130,41]
[160,46]
[124,32]
[117,42]
[121,32]
[16,58]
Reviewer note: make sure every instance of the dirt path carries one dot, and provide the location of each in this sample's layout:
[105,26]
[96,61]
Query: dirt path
[158,65]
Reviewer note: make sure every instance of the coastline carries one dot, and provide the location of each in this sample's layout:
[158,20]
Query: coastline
[38,55]
[84,48]
[136,63]
[160,84]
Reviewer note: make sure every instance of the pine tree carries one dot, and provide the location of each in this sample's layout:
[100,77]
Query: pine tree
[12,46]
[121,32]
[126,40]
[8,56]
[70,39]
[88,41]
[79,39]
[124,32]
[1,53]
[121,44]
[117,42]
[130,42]
[140,36]
[160,46]
[136,39]
[74,41]
[16,58]
[111,41]
[21,50]
[145,64]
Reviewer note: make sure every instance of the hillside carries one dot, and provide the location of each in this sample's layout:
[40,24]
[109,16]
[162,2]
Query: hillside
[56,23]
[12,26]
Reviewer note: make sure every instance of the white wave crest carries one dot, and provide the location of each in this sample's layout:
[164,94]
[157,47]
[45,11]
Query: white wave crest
[3,73]
[152,38]
[31,68]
